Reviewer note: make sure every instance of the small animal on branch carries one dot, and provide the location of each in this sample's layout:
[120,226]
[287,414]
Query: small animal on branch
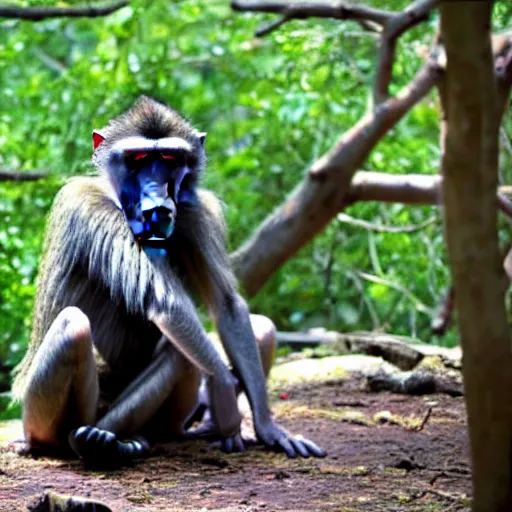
[118,358]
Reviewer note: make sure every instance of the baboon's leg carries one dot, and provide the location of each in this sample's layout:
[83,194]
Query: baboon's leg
[126,418]
[265,334]
[62,390]
[169,378]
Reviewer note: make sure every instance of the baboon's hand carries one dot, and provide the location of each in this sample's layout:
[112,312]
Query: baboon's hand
[278,439]
[101,449]
[209,432]
[234,444]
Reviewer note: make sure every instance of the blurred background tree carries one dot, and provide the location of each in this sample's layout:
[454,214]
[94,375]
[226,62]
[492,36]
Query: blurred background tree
[271,107]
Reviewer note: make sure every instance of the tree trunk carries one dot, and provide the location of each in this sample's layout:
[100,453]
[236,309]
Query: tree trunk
[469,164]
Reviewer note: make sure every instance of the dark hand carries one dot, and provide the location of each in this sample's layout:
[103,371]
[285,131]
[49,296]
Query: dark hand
[278,439]
[209,432]
[101,449]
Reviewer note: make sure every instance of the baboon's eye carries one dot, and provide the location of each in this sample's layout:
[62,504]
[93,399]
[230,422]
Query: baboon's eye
[135,159]
[167,155]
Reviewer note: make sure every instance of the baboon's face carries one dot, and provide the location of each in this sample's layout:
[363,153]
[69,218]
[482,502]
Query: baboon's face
[153,158]
[151,179]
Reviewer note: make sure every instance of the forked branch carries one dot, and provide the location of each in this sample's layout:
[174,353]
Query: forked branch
[302,10]
[375,124]
[323,193]
[328,186]
[398,24]
[391,25]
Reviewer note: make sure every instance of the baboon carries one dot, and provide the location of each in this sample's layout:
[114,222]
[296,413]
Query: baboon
[117,352]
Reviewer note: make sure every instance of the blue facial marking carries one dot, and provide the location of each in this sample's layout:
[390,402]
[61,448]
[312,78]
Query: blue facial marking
[137,227]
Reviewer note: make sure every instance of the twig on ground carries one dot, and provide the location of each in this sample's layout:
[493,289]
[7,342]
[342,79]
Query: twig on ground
[420,427]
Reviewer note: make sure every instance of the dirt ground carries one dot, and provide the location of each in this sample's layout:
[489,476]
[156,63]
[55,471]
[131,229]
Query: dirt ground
[382,456]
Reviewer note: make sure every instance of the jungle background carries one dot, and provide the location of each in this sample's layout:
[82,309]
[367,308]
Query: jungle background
[291,116]
[271,107]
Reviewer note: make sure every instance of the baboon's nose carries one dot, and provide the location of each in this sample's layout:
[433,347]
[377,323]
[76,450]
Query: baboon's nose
[158,222]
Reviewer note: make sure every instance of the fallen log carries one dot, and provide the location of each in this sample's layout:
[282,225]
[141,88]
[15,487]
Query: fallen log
[416,382]
[397,350]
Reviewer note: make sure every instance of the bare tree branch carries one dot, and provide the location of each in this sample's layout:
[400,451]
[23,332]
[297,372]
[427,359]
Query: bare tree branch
[22,176]
[393,25]
[303,10]
[420,306]
[443,316]
[505,141]
[320,197]
[42,13]
[394,188]
[373,126]
[393,29]
[370,26]
[327,188]
[413,189]
[418,189]
[502,54]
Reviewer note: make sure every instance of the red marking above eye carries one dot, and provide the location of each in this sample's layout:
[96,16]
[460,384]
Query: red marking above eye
[139,156]
[167,156]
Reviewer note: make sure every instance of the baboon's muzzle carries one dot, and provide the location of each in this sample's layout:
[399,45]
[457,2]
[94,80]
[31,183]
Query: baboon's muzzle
[150,193]
[158,220]
[155,223]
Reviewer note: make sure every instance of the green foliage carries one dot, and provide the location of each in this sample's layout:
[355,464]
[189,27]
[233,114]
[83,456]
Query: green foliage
[271,107]
[22,211]
[8,409]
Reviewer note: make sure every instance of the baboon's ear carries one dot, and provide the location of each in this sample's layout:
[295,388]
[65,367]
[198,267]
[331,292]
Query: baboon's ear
[202,138]
[97,139]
